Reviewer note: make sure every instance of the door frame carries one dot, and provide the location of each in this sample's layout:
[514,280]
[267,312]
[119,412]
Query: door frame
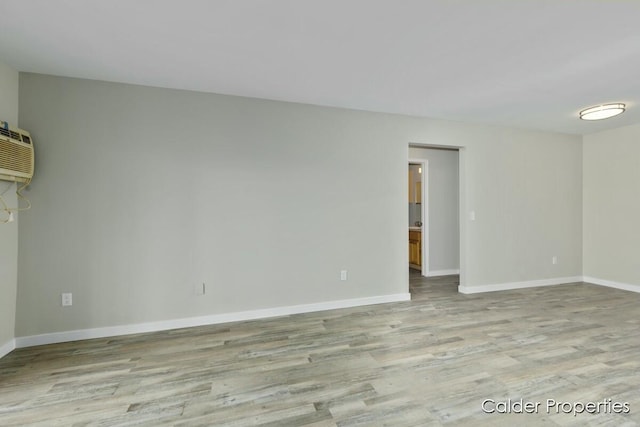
[424,242]
[463,204]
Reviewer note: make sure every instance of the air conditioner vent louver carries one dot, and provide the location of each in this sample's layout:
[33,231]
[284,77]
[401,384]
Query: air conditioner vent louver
[15,135]
[16,154]
[15,157]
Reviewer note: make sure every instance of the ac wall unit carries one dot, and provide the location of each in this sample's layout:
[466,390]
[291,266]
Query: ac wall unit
[16,154]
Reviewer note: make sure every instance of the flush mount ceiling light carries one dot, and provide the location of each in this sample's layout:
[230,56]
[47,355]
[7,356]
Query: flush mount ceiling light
[603,111]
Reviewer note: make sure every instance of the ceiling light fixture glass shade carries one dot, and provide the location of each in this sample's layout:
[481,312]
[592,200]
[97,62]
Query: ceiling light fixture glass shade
[603,111]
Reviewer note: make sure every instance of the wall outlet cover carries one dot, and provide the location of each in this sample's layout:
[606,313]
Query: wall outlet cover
[67,299]
[199,289]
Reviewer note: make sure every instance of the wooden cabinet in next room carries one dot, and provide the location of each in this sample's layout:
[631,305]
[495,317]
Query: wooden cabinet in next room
[415,248]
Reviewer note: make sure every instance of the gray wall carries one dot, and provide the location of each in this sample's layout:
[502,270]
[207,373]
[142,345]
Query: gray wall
[443,184]
[612,205]
[143,192]
[9,231]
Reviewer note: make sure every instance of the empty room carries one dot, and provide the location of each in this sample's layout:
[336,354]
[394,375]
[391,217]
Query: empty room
[319,213]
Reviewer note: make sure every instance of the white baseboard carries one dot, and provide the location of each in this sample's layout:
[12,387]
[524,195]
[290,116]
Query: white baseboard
[612,284]
[7,347]
[83,334]
[518,285]
[436,273]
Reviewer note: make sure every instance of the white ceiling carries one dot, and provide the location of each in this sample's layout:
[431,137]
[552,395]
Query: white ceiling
[525,63]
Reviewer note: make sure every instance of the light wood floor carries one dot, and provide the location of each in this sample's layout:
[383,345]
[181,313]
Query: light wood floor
[428,362]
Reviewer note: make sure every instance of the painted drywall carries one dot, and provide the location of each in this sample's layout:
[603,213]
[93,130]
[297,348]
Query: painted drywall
[525,189]
[8,231]
[443,184]
[9,79]
[143,193]
[612,206]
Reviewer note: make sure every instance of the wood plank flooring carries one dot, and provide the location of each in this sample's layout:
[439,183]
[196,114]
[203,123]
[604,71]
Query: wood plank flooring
[427,362]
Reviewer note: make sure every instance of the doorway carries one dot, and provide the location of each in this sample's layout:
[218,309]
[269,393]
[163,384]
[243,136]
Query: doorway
[435,201]
[418,230]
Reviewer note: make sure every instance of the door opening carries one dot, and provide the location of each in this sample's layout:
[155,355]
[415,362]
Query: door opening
[418,215]
[436,198]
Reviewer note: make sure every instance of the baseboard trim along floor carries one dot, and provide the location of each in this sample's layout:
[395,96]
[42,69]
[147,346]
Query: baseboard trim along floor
[83,334]
[612,284]
[518,285]
[437,273]
[7,347]
[435,360]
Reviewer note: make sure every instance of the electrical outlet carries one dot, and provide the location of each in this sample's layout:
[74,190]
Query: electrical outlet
[554,260]
[199,289]
[67,299]
[343,274]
